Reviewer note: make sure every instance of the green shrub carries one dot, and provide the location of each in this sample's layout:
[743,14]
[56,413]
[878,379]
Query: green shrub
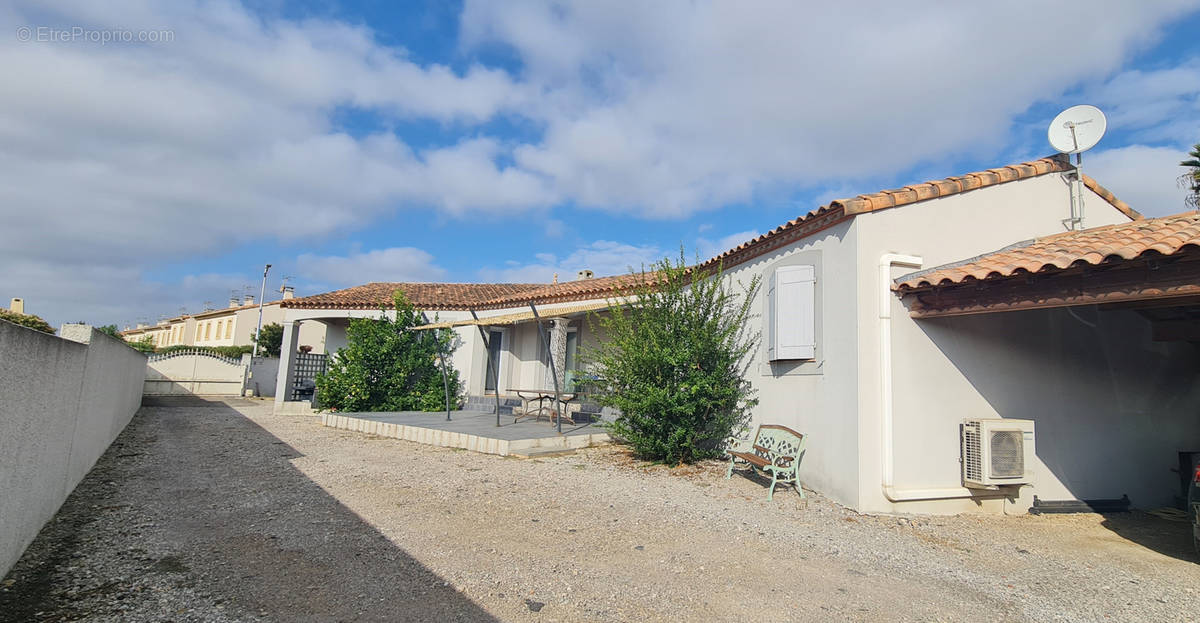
[271,337]
[144,345]
[673,363]
[233,352]
[27,320]
[387,366]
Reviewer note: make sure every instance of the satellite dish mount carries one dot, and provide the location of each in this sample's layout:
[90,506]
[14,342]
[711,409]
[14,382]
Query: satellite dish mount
[1074,131]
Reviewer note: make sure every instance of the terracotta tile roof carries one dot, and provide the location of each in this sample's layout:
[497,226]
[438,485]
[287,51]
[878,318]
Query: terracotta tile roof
[841,209]
[430,296]
[567,291]
[1164,236]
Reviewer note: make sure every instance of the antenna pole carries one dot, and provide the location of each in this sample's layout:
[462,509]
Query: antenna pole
[261,295]
[1079,192]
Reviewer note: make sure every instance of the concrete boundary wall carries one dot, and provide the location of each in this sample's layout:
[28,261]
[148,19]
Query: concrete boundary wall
[62,402]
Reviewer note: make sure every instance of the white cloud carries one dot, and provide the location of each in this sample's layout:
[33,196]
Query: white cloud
[1159,105]
[394,264]
[665,108]
[711,248]
[603,257]
[1144,177]
[114,158]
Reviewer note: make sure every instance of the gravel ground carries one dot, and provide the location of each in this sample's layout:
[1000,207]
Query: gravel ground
[222,511]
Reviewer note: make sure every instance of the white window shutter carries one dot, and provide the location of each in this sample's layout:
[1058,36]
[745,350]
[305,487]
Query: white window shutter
[793,327]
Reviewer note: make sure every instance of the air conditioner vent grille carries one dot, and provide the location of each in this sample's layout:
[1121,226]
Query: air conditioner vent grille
[1008,454]
[972,461]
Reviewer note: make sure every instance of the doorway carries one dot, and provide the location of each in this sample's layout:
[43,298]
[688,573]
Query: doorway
[492,370]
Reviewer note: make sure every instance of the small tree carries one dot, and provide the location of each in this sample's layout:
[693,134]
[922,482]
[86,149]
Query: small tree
[110,329]
[388,366]
[674,361]
[27,320]
[271,338]
[1191,179]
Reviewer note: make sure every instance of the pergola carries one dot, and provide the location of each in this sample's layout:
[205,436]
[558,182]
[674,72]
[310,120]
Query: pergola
[1151,266]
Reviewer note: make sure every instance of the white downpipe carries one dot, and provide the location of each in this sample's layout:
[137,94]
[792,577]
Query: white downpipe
[890,491]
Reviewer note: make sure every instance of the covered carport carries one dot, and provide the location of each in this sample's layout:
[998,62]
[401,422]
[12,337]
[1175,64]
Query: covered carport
[1092,334]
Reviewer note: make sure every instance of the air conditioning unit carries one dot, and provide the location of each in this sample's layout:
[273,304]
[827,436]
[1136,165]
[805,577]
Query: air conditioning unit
[997,452]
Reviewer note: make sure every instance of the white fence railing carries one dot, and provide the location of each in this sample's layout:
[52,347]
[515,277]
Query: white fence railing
[186,352]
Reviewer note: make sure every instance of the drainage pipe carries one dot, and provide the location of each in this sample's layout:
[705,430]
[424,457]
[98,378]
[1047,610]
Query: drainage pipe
[890,490]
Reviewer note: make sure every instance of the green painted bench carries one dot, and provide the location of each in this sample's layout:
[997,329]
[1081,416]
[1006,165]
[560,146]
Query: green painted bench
[776,451]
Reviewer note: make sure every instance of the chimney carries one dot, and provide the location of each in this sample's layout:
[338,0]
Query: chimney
[233,302]
[289,292]
[249,299]
[584,274]
[141,325]
[17,306]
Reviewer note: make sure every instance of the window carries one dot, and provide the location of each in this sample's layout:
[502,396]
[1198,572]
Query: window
[207,330]
[220,323]
[791,313]
[229,328]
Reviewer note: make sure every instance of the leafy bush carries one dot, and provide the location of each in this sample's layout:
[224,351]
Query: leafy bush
[271,337]
[387,366]
[673,363]
[110,330]
[144,345]
[233,352]
[27,320]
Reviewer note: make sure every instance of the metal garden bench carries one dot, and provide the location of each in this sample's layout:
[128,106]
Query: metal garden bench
[776,451]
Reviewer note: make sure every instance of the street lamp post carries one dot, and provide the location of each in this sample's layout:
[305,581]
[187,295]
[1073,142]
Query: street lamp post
[261,295]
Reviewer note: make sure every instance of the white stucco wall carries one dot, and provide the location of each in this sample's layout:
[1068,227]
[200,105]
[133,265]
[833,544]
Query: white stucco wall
[816,398]
[935,389]
[61,405]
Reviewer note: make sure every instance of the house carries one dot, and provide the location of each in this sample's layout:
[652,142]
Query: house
[890,318]
[235,325]
[500,344]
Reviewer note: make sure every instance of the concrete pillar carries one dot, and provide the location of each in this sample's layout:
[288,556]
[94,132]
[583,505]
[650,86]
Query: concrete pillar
[287,367]
[558,350]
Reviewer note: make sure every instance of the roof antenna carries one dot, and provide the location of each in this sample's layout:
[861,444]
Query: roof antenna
[1074,131]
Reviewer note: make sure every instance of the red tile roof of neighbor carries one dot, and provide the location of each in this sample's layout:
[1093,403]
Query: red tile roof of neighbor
[461,296]
[1164,236]
[431,296]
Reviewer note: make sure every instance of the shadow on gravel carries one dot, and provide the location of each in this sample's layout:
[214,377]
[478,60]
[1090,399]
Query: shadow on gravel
[1169,538]
[196,513]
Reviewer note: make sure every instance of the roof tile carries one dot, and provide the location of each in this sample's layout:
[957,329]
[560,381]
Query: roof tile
[1168,235]
[430,296]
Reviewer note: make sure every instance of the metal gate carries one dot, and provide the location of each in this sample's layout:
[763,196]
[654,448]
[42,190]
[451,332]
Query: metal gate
[307,367]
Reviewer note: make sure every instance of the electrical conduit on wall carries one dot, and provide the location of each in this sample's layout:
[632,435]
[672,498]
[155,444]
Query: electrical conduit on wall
[890,490]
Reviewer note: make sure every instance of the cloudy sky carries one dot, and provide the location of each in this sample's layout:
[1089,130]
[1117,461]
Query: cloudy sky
[416,141]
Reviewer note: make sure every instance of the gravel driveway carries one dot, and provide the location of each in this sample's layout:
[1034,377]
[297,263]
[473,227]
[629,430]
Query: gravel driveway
[222,511]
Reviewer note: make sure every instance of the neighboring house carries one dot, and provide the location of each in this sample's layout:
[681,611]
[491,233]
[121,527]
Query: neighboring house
[234,325]
[882,333]
[505,333]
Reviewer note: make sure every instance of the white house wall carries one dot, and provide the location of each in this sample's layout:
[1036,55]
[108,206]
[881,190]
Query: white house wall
[816,398]
[940,375]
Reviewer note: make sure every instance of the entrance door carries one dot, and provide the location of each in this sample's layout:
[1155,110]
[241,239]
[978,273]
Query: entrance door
[492,372]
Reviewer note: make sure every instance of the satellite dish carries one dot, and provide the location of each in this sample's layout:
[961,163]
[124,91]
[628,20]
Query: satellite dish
[1077,129]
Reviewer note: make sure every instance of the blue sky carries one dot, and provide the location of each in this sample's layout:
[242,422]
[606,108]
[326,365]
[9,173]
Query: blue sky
[480,141]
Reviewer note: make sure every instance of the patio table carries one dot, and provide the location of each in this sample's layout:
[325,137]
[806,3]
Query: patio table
[529,396]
